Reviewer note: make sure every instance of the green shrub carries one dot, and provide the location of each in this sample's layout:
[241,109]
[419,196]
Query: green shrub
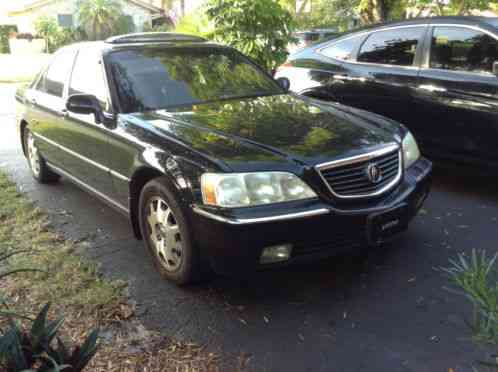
[261,29]
[5,31]
[196,23]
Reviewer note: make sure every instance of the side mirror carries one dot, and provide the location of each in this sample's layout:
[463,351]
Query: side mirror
[85,104]
[284,83]
[495,68]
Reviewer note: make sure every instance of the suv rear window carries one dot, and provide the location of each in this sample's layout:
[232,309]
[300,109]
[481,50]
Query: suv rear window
[392,47]
[159,78]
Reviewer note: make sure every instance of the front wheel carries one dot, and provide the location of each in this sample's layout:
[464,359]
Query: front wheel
[167,235]
[37,164]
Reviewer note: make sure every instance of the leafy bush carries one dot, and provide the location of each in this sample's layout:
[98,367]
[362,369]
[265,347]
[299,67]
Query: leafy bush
[195,23]
[100,18]
[124,25]
[47,28]
[260,29]
[5,31]
[158,28]
[56,37]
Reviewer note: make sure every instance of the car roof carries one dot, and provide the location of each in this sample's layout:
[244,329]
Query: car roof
[463,20]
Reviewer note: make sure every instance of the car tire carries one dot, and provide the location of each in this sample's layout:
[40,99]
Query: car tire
[167,234]
[37,164]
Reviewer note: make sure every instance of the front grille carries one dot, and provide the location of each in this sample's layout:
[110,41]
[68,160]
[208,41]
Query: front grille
[349,178]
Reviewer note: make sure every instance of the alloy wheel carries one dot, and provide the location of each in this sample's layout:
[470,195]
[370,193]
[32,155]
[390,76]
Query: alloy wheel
[164,234]
[34,158]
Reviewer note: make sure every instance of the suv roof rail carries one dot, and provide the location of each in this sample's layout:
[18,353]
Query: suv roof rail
[147,37]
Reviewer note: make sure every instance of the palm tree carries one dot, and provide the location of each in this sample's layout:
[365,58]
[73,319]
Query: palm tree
[99,17]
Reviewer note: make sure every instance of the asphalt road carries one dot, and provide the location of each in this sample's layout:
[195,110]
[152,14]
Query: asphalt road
[385,311]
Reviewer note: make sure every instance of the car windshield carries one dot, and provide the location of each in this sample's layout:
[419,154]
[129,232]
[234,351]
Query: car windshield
[161,78]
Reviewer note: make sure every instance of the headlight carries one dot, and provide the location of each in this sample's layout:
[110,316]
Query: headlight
[411,153]
[249,189]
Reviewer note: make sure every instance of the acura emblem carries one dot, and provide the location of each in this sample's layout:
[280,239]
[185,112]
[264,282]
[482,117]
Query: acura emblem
[374,173]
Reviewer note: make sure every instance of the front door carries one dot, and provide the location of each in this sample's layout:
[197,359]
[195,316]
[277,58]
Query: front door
[84,141]
[458,93]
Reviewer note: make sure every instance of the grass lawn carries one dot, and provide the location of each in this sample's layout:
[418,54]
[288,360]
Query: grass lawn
[76,290]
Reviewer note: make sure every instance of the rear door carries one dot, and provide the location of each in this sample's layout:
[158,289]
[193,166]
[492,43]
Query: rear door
[458,94]
[383,77]
[47,104]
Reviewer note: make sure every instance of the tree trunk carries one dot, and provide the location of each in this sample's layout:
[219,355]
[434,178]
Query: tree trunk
[462,8]
[302,7]
[182,5]
[374,12]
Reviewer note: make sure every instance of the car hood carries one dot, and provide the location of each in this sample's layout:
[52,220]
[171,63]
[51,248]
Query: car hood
[279,128]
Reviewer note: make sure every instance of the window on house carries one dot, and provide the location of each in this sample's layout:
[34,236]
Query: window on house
[392,47]
[65,20]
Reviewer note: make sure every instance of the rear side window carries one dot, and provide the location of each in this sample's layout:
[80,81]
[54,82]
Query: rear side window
[53,80]
[461,49]
[392,47]
[342,49]
[87,76]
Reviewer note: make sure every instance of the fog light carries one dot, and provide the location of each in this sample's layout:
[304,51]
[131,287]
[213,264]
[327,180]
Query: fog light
[277,253]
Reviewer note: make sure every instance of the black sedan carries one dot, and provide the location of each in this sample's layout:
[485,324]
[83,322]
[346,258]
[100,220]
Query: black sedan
[438,76]
[215,164]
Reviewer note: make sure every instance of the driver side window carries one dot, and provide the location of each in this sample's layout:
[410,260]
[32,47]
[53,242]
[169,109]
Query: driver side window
[88,76]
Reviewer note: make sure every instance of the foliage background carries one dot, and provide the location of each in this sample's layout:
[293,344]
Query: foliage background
[4,37]
[261,29]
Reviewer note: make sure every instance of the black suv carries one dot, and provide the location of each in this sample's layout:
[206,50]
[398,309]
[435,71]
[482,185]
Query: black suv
[213,161]
[438,76]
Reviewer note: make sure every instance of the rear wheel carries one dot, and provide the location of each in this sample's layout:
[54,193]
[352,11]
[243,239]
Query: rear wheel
[167,235]
[37,164]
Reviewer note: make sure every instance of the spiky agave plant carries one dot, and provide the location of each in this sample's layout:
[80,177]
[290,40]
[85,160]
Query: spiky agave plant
[37,348]
[475,277]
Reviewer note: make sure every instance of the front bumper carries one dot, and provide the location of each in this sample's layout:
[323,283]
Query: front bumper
[234,240]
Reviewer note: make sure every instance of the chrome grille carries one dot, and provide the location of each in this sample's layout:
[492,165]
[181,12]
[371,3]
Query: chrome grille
[348,178]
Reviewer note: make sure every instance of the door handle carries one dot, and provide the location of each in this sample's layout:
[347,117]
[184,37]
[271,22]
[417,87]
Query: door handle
[431,88]
[350,78]
[64,113]
[32,101]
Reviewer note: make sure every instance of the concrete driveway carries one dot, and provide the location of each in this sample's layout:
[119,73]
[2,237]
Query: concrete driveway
[385,311]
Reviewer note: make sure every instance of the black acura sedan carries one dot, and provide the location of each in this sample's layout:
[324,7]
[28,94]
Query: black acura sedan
[438,76]
[215,163]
